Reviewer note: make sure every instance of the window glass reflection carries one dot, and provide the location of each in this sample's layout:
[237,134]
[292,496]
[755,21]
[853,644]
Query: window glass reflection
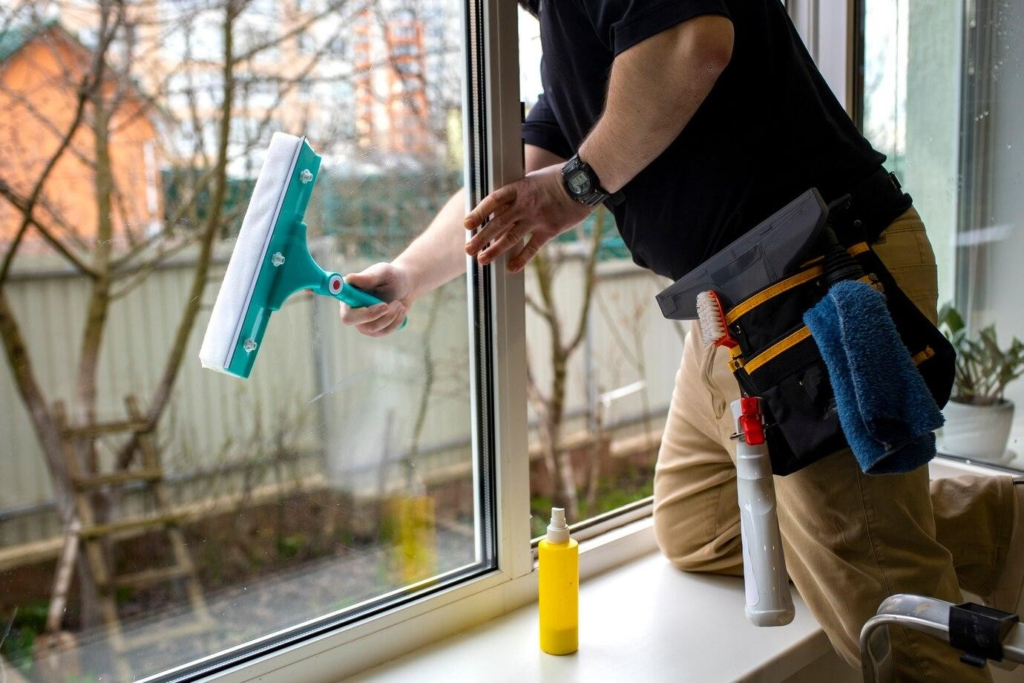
[943,88]
[196,512]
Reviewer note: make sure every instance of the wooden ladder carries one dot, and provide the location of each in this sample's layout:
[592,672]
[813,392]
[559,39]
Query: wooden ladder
[92,535]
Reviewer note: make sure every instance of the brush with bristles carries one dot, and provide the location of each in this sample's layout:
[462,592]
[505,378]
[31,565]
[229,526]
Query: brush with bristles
[769,600]
[270,261]
[713,328]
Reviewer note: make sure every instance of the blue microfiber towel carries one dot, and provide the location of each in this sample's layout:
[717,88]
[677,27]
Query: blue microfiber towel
[886,411]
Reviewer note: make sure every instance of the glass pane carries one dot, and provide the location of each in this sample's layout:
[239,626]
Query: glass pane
[943,91]
[340,476]
[601,366]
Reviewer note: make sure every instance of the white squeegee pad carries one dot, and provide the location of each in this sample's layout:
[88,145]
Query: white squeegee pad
[249,252]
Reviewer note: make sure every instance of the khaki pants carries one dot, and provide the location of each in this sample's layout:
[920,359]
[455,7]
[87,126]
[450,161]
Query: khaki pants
[850,539]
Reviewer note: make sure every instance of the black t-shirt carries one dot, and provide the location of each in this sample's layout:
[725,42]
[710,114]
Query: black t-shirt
[769,130]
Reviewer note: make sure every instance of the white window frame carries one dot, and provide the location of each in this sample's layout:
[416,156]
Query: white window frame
[827,27]
[378,638]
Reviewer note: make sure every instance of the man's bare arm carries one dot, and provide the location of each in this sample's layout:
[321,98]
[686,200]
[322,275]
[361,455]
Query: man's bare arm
[432,259]
[438,255]
[655,88]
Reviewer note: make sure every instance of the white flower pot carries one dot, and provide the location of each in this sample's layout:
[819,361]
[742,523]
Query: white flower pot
[980,432]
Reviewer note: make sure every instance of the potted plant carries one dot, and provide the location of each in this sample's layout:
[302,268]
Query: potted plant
[978,416]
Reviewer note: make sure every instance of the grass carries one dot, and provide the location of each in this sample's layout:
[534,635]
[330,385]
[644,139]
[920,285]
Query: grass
[612,494]
[19,633]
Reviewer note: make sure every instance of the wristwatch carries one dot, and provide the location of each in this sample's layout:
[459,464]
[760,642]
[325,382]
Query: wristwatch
[583,185]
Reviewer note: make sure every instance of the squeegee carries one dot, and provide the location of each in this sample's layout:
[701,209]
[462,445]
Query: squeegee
[270,261]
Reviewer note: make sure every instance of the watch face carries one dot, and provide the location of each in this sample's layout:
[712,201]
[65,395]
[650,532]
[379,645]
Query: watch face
[579,183]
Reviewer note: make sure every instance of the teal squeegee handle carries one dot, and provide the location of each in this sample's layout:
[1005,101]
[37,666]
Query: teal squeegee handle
[334,285]
[296,271]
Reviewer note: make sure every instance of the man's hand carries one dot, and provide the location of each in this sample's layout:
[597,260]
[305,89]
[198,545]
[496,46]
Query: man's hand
[536,206]
[389,282]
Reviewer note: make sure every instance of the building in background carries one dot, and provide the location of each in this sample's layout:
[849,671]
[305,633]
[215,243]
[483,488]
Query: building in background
[372,81]
[41,69]
[392,109]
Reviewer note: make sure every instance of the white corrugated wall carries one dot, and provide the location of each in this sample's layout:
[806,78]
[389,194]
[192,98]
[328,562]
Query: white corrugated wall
[321,389]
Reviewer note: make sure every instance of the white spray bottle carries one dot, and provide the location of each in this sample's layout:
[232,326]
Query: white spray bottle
[769,599]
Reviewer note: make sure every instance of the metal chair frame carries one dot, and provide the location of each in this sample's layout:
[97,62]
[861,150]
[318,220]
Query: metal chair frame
[926,615]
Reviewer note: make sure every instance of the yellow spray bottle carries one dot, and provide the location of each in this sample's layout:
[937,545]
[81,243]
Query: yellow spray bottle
[559,570]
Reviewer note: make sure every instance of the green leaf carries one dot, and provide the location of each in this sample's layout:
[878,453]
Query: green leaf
[950,318]
[983,369]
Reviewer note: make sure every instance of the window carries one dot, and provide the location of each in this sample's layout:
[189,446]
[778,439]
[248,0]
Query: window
[404,50]
[264,8]
[268,89]
[198,85]
[338,47]
[942,88]
[347,476]
[304,42]
[177,91]
[403,31]
[342,92]
[405,67]
[243,130]
[353,497]
[205,40]
[258,92]
[259,39]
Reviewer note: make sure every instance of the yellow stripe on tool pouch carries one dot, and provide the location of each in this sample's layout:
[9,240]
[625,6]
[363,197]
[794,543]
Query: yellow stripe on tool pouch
[772,292]
[922,356]
[772,351]
[782,286]
[792,340]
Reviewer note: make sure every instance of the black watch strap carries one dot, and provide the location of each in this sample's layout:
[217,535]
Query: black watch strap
[583,185]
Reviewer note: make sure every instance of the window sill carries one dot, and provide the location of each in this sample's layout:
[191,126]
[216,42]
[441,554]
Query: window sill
[487,629]
[643,621]
[357,648]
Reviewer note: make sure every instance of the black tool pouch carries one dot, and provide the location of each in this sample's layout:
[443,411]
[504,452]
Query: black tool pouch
[777,359]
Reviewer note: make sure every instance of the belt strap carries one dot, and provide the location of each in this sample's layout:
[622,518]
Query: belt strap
[870,207]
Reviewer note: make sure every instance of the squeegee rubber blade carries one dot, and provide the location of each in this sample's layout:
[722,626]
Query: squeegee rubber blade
[249,254]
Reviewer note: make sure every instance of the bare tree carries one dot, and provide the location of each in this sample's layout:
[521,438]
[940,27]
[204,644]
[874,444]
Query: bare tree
[549,402]
[107,79]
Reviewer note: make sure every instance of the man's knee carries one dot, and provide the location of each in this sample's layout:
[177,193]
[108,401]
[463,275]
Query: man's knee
[719,553]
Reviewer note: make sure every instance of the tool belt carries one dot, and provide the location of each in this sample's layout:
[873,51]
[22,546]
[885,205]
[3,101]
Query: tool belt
[776,358]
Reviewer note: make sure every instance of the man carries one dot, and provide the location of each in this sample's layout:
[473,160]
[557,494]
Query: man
[707,116]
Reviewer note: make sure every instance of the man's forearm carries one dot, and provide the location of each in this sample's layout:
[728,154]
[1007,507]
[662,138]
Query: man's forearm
[655,89]
[438,254]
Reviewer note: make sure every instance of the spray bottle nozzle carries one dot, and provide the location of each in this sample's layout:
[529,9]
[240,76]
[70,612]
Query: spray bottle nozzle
[558,530]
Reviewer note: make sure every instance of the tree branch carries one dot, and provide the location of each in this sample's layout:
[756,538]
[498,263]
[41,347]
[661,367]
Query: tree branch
[21,364]
[27,210]
[539,310]
[187,321]
[588,284]
[51,239]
